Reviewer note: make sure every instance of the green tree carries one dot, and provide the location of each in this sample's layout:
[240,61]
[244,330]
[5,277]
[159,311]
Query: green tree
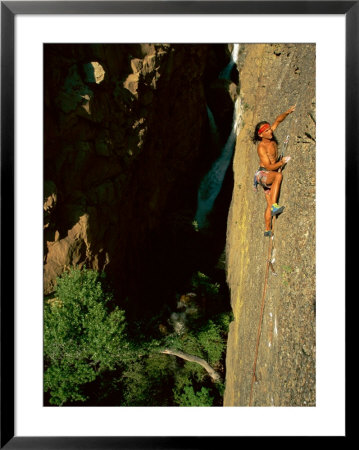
[82,338]
[189,397]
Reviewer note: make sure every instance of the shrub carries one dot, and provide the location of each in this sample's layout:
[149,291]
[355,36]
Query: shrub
[189,397]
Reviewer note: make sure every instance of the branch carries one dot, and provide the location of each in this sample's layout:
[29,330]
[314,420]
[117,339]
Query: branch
[216,377]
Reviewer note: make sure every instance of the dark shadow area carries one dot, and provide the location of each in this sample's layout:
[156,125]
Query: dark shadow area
[139,197]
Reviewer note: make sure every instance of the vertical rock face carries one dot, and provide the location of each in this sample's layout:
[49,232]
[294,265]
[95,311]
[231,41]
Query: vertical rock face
[274,77]
[123,127]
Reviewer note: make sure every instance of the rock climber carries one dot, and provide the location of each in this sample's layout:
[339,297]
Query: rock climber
[268,175]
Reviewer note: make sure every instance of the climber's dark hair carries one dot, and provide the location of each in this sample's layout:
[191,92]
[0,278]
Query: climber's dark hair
[256,138]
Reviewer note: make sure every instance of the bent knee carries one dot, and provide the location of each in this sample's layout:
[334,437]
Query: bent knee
[274,177]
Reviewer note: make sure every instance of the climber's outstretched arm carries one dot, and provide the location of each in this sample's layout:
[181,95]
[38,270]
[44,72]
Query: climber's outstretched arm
[281,117]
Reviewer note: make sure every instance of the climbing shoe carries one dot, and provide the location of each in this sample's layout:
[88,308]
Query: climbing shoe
[268,233]
[276,209]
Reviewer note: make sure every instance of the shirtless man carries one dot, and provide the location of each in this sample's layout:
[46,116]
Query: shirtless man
[267,175]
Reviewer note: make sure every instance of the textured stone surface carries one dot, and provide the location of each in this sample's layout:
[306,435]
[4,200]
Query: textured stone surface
[125,149]
[274,77]
[123,128]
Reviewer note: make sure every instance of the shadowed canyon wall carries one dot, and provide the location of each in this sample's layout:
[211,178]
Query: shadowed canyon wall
[272,78]
[126,144]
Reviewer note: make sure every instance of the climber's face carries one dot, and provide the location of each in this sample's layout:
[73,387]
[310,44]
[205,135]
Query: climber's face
[267,133]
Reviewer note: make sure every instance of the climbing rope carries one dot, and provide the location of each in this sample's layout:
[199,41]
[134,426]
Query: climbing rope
[269,265]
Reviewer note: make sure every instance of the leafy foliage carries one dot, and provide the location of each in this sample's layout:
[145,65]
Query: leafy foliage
[148,381]
[191,398]
[211,340]
[81,337]
[90,356]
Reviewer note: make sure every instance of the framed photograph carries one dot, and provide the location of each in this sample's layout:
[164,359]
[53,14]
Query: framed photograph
[141,273]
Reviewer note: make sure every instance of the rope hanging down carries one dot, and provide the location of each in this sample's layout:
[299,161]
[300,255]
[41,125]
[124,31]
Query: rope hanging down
[269,263]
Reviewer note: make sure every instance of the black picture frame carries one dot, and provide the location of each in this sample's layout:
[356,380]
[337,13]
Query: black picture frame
[9,9]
